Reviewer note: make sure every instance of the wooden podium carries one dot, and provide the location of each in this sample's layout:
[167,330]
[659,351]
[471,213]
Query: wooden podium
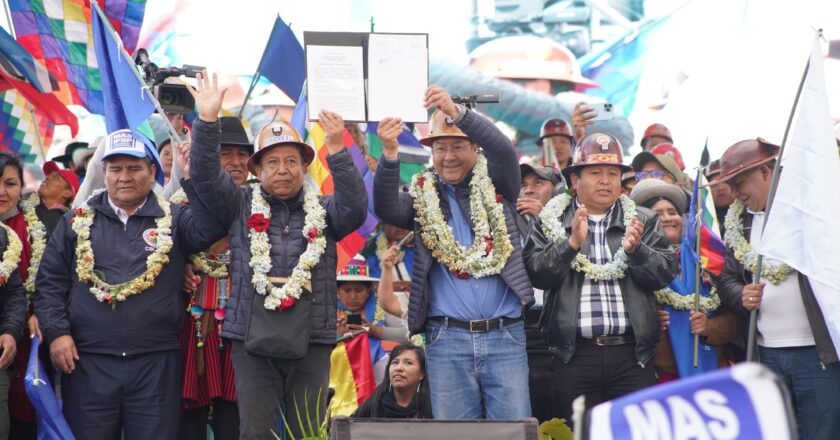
[344,428]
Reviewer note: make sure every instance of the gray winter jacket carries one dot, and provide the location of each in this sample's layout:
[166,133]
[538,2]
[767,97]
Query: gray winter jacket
[231,205]
[397,208]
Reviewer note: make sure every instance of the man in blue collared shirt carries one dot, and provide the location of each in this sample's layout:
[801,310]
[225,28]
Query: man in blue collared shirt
[476,361]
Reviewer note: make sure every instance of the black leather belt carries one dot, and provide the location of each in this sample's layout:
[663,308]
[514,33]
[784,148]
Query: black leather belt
[478,325]
[604,341]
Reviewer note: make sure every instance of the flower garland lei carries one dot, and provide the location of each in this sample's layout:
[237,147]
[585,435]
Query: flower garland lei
[161,236]
[38,234]
[11,256]
[744,252]
[554,230]
[313,230]
[677,301]
[179,197]
[212,268]
[491,247]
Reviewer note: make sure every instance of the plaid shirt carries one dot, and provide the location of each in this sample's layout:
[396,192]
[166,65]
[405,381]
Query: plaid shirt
[602,309]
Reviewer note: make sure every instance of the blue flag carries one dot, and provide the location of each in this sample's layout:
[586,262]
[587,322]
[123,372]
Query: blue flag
[126,103]
[17,62]
[282,61]
[51,422]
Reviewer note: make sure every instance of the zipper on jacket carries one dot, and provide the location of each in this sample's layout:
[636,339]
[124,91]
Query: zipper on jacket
[822,365]
[286,229]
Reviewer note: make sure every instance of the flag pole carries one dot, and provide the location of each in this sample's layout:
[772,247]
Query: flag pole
[256,78]
[773,183]
[172,132]
[697,264]
[704,162]
[37,130]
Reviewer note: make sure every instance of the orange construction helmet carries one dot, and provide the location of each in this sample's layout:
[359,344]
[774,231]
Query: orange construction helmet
[596,149]
[555,127]
[440,127]
[528,57]
[278,134]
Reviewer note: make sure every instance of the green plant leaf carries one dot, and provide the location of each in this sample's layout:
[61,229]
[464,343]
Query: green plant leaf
[556,429]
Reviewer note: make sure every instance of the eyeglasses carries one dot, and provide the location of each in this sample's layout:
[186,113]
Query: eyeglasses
[655,174]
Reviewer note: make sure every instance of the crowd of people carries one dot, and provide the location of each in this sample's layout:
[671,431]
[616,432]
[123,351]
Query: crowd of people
[199,286]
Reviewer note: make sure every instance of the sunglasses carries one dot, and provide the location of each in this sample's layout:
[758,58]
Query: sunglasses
[655,174]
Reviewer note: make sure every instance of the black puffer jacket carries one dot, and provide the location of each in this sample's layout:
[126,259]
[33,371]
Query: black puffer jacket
[229,204]
[651,267]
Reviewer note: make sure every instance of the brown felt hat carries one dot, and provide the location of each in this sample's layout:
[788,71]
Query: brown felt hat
[744,156]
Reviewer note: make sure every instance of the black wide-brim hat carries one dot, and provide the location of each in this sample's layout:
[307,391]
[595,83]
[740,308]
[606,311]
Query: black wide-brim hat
[233,133]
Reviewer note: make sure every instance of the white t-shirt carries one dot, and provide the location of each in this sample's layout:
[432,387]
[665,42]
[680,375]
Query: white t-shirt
[782,320]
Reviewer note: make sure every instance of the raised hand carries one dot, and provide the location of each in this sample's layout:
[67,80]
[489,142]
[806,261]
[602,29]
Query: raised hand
[333,125]
[580,228]
[581,118]
[208,98]
[437,97]
[389,258]
[633,236]
[388,131]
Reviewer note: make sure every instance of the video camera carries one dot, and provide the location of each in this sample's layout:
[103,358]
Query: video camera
[479,98]
[173,98]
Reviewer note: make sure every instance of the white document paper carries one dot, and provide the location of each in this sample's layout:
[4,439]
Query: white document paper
[335,81]
[398,75]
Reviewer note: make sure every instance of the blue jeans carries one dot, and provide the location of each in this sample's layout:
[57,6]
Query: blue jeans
[478,375]
[815,391]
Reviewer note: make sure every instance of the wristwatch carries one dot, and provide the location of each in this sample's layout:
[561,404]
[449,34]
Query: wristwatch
[462,112]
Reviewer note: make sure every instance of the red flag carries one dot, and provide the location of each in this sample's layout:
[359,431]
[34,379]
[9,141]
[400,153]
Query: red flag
[45,102]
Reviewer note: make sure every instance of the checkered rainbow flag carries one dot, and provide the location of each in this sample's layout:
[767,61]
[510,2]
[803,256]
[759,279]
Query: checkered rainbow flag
[17,129]
[58,34]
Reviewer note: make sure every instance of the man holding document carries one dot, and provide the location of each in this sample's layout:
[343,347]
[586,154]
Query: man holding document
[469,282]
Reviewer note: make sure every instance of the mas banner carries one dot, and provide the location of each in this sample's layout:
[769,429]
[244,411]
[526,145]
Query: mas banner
[744,402]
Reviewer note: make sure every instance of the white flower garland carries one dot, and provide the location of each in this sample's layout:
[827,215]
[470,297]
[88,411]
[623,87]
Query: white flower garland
[313,230]
[179,197]
[11,256]
[744,252]
[491,246]
[112,293]
[554,230]
[38,235]
[678,301]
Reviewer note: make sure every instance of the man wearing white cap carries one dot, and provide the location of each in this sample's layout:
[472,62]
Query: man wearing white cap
[281,318]
[108,298]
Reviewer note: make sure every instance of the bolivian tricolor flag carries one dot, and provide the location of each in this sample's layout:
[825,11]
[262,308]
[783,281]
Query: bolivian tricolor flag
[351,375]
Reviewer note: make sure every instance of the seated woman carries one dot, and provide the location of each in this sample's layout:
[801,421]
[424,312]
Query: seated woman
[404,393]
[716,326]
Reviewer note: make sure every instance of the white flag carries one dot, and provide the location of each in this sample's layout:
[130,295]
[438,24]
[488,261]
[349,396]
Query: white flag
[803,225]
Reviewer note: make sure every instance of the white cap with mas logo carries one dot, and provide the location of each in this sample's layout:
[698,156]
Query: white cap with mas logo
[128,143]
